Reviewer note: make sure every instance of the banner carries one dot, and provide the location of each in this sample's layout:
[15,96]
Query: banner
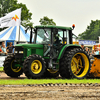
[87,42]
[11,19]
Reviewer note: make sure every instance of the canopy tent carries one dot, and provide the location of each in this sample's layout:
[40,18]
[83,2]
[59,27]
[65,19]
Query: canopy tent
[14,34]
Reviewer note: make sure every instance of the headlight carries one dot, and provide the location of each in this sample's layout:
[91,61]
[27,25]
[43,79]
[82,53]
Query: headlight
[20,51]
[16,51]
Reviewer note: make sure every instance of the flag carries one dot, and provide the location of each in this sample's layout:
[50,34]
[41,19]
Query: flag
[11,19]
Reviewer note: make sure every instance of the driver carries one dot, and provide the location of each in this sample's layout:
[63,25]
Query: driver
[56,39]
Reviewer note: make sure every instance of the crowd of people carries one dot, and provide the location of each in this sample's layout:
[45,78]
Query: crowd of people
[5,50]
[93,52]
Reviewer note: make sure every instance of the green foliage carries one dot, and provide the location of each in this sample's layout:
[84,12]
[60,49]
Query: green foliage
[7,6]
[46,21]
[92,32]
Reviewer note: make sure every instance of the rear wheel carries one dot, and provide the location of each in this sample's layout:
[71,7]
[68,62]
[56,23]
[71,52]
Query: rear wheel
[34,66]
[11,67]
[76,64]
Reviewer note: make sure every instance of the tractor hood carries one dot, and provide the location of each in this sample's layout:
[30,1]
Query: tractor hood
[30,45]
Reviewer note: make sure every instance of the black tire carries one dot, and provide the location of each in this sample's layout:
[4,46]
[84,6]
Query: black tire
[34,66]
[75,64]
[50,73]
[9,67]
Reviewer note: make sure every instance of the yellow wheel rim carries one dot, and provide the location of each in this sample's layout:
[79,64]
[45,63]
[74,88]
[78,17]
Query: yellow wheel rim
[77,67]
[36,66]
[17,69]
[52,71]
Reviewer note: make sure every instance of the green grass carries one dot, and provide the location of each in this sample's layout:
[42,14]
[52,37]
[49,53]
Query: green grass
[1,69]
[45,81]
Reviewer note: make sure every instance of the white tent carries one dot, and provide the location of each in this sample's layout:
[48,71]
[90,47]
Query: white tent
[14,34]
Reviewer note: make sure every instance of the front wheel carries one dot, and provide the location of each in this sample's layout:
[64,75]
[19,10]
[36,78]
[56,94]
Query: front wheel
[11,67]
[76,64]
[34,66]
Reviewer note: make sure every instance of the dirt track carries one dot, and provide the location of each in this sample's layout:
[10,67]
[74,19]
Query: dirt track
[43,92]
[4,76]
[49,93]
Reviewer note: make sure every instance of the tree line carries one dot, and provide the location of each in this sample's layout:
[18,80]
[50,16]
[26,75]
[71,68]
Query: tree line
[91,33]
[7,6]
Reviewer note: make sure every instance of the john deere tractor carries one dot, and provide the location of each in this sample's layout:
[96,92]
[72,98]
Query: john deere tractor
[49,53]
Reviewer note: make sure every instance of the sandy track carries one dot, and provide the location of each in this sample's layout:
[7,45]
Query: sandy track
[49,93]
[4,76]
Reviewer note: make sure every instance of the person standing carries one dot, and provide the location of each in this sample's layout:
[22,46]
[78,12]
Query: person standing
[2,44]
[4,52]
[87,50]
[1,50]
[82,46]
[96,52]
[10,48]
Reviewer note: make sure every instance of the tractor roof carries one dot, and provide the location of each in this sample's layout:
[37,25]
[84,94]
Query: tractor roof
[51,26]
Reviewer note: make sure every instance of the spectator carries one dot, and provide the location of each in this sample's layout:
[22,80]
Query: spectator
[2,44]
[4,50]
[82,46]
[0,50]
[96,52]
[10,48]
[87,49]
[92,53]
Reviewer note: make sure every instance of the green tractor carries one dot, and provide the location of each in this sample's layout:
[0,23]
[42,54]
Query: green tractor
[49,53]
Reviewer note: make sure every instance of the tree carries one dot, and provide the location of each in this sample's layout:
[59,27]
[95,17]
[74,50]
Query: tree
[92,32]
[7,6]
[46,21]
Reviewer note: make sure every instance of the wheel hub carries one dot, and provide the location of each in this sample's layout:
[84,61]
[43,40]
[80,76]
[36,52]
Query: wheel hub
[36,66]
[76,62]
[14,68]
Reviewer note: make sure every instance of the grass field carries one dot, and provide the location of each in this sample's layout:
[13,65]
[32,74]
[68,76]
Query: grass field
[1,68]
[45,81]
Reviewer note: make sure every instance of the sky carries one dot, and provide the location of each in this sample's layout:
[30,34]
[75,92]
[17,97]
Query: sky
[65,12]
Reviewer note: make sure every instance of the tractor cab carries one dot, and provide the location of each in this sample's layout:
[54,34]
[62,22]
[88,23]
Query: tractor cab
[53,38]
[53,34]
